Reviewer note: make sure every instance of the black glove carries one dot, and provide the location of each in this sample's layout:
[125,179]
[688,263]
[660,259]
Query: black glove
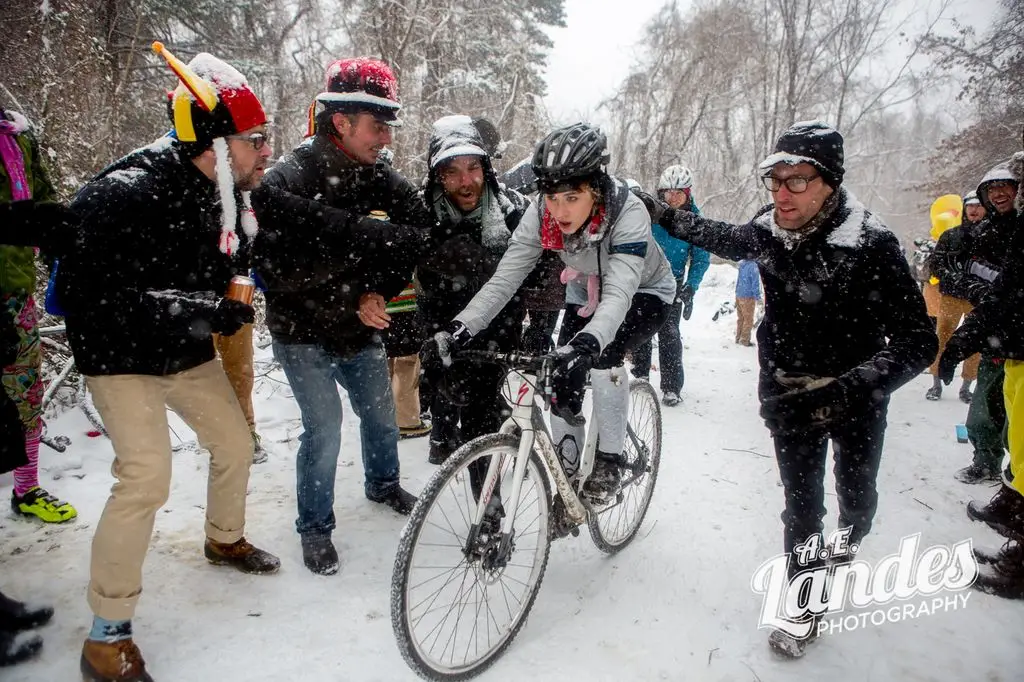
[580,354]
[655,206]
[51,226]
[9,340]
[678,223]
[811,402]
[230,315]
[686,296]
[436,354]
[953,354]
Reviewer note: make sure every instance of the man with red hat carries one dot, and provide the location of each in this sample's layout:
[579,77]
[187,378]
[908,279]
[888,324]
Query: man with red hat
[340,234]
[142,289]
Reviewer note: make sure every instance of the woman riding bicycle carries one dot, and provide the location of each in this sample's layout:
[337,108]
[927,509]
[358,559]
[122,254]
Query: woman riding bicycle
[619,295]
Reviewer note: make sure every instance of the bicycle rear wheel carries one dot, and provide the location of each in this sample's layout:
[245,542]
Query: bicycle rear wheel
[456,605]
[615,526]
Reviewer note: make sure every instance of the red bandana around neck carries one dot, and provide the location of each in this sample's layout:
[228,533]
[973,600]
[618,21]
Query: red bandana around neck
[551,234]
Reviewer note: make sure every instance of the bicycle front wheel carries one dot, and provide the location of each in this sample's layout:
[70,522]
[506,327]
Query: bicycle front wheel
[615,526]
[458,601]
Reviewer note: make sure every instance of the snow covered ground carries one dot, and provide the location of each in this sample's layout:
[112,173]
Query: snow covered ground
[676,605]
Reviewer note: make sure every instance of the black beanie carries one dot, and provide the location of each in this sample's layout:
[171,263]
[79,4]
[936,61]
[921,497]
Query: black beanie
[813,142]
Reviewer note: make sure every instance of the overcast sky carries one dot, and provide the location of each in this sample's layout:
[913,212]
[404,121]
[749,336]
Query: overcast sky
[595,50]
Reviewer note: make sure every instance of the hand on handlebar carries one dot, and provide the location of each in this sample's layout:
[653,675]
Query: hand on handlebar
[581,352]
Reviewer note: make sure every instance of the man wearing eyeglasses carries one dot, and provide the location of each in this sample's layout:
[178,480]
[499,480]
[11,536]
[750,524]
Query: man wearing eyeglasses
[143,290]
[845,325]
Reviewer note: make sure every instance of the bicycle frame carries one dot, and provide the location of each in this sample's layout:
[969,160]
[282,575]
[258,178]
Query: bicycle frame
[527,418]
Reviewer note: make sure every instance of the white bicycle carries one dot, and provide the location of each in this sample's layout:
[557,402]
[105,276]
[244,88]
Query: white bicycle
[472,557]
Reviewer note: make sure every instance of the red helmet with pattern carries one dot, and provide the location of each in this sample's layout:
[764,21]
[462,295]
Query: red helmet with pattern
[359,84]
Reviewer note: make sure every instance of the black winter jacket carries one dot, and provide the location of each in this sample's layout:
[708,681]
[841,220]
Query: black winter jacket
[149,224]
[984,252]
[460,263]
[318,252]
[840,303]
[948,261]
[996,325]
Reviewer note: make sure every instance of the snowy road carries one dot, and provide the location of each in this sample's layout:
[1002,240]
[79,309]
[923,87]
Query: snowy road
[676,605]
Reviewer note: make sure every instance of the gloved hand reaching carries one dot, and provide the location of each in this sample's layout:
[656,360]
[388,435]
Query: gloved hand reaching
[686,296]
[198,313]
[657,208]
[953,354]
[811,402]
[230,316]
[436,353]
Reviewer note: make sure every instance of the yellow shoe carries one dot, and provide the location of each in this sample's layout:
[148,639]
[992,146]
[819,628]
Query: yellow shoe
[37,502]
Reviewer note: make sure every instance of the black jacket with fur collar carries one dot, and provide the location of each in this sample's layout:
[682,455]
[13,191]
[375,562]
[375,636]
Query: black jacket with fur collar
[839,303]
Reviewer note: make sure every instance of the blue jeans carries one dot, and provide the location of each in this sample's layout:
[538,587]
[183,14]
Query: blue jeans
[313,373]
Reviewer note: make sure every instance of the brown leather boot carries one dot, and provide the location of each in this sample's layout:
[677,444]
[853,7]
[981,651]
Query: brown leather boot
[241,555]
[113,662]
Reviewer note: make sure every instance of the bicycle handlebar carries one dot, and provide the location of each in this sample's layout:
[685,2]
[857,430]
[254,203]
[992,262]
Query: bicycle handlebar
[541,365]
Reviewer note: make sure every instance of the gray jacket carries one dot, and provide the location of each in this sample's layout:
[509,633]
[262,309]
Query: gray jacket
[622,253]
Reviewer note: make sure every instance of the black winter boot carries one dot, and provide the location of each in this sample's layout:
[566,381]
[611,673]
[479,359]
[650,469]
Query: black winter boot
[397,498]
[18,648]
[1004,513]
[319,554]
[16,616]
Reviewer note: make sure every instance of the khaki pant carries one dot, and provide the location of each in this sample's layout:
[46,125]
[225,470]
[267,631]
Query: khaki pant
[932,298]
[235,353]
[132,409]
[951,311]
[405,384]
[744,319]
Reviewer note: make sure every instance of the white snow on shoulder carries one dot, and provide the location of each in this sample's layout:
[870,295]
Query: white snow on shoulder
[223,75]
[850,234]
[126,176]
[158,145]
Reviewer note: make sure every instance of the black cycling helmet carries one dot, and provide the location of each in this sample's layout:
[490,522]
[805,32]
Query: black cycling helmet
[570,156]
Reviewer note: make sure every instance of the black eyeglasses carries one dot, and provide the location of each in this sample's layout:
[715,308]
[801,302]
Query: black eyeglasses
[796,184]
[257,140]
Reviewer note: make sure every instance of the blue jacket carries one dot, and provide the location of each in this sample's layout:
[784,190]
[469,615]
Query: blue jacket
[748,284]
[678,252]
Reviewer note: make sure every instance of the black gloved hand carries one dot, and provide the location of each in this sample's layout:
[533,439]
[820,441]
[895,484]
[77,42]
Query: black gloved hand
[230,316]
[51,226]
[811,402]
[686,296]
[655,206]
[953,354]
[437,353]
[9,340]
[438,350]
[580,354]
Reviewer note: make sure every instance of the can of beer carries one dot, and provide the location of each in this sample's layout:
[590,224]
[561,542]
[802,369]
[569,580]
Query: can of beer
[242,289]
[379,215]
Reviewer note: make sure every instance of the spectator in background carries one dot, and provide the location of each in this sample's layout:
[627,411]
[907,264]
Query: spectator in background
[689,263]
[748,293]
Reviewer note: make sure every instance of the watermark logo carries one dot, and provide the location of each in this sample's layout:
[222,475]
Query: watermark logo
[832,582]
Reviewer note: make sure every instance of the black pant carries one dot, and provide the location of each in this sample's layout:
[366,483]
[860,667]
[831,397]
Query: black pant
[857,444]
[670,349]
[643,320]
[537,337]
[479,386]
